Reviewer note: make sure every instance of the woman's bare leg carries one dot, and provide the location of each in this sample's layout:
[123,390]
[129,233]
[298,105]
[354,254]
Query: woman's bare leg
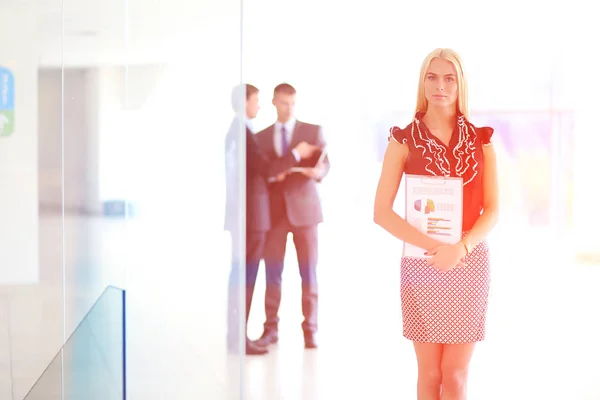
[429,358]
[455,367]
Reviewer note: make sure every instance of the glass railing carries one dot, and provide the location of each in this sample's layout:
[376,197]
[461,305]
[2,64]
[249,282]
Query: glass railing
[91,364]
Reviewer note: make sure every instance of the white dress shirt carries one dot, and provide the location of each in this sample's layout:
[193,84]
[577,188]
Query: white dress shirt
[289,133]
[289,130]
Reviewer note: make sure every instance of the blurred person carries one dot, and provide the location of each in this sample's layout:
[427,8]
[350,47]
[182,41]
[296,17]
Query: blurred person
[258,169]
[295,208]
[444,297]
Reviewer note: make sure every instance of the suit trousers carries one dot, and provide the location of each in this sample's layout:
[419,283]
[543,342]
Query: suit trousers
[306,243]
[255,243]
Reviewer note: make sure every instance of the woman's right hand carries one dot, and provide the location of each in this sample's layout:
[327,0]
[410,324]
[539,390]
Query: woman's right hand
[447,257]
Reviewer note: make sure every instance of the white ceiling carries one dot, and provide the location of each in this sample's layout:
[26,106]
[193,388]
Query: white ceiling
[98,32]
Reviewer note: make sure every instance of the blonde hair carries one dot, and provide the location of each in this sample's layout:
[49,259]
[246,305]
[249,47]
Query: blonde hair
[463,95]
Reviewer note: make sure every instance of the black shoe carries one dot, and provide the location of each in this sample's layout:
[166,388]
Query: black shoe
[268,338]
[310,340]
[253,349]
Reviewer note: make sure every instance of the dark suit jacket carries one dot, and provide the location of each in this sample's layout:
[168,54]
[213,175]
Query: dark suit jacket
[297,196]
[258,169]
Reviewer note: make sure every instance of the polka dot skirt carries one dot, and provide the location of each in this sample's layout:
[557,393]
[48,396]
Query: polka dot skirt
[445,307]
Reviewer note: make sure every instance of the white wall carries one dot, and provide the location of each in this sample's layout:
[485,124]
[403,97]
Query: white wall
[50,139]
[18,153]
[99,133]
[97,140]
[75,156]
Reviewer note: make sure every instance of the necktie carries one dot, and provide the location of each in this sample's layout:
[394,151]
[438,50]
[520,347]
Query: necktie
[284,142]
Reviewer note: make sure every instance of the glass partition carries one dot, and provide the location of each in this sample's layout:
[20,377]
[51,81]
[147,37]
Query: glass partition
[31,231]
[113,120]
[174,111]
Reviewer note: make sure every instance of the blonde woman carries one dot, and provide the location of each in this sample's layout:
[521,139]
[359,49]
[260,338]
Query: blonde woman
[444,297]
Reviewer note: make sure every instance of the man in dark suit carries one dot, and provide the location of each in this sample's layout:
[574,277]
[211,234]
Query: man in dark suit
[295,208]
[258,170]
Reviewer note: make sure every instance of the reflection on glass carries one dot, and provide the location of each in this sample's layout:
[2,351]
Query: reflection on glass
[91,364]
[235,145]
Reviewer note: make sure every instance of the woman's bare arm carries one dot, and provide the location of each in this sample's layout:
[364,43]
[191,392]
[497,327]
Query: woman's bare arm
[387,188]
[487,220]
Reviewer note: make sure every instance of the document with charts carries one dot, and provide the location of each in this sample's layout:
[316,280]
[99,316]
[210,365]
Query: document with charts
[434,205]
[312,162]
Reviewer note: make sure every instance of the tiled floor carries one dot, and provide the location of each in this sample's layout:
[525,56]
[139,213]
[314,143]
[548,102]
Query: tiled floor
[543,321]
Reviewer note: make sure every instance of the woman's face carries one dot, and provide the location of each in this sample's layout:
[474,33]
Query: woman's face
[441,84]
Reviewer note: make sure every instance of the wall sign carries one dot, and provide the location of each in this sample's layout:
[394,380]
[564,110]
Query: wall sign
[7,102]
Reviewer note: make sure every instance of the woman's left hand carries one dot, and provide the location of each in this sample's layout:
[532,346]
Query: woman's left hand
[447,257]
